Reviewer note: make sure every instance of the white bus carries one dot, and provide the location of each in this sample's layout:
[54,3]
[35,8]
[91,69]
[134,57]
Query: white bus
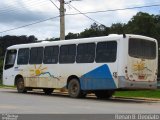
[97,65]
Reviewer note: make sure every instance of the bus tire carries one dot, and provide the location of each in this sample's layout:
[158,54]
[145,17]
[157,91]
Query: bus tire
[48,91]
[104,94]
[74,89]
[20,85]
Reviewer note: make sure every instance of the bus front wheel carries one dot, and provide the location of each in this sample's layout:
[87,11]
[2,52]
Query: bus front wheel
[104,94]
[74,89]
[20,85]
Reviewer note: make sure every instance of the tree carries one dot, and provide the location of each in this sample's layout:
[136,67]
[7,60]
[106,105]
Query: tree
[32,38]
[72,36]
[8,40]
[1,69]
[143,24]
[95,30]
[118,28]
[0,51]
[157,25]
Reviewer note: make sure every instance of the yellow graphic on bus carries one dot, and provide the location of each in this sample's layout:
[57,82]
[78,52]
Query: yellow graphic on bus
[141,70]
[139,66]
[37,70]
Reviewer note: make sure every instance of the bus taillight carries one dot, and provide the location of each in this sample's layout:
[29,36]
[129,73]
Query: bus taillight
[141,77]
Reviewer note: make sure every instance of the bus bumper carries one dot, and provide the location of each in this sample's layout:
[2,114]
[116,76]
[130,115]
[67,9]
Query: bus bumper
[126,84]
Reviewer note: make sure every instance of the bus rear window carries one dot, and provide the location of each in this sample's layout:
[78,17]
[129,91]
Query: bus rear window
[10,58]
[140,48]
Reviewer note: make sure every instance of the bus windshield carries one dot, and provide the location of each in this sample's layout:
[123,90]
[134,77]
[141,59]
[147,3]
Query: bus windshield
[10,58]
[140,48]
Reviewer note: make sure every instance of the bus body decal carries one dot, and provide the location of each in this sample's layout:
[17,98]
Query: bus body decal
[98,79]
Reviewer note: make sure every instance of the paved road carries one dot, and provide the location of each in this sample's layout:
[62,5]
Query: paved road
[13,102]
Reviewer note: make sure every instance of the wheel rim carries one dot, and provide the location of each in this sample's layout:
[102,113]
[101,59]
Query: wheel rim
[74,88]
[20,85]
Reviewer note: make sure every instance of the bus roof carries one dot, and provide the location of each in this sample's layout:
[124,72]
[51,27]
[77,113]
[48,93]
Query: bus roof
[76,41]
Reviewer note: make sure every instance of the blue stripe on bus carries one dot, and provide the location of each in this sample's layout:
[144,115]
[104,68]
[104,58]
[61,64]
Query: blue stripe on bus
[98,79]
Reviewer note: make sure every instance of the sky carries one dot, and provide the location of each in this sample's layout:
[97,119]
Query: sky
[17,13]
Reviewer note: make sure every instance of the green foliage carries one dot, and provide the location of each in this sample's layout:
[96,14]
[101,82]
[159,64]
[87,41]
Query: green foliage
[1,66]
[94,31]
[72,36]
[117,28]
[8,40]
[139,93]
[1,69]
[142,24]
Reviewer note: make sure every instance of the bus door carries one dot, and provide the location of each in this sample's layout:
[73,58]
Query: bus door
[8,72]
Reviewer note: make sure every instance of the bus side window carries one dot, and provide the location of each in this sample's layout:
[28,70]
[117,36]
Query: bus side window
[23,56]
[67,53]
[51,55]
[36,55]
[85,53]
[10,59]
[106,51]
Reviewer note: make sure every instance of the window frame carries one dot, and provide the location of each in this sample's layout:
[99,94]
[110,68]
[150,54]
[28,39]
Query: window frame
[57,59]
[86,54]
[60,54]
[107,61]
[35,62]
[28,56]
[8,66]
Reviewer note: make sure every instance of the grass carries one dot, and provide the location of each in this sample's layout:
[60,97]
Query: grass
[139,93]
[6,86]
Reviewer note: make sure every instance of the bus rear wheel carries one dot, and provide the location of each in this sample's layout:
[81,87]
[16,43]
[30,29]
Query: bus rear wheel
[48,91]
[20,85]
[104,94]
[74,89]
